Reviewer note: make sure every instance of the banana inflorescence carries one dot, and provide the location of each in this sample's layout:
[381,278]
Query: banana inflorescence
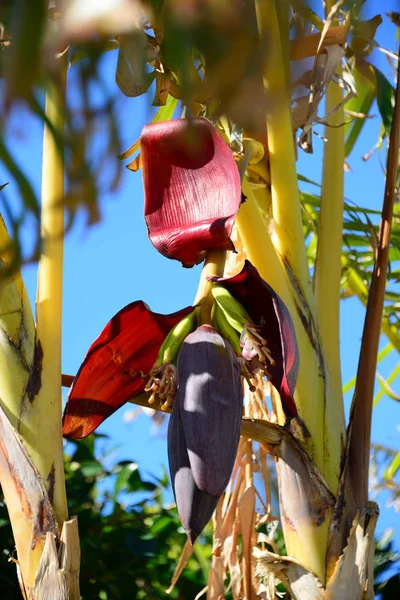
[204,429]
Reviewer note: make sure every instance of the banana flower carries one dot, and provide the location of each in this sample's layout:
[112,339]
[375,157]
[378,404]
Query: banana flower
[192,195]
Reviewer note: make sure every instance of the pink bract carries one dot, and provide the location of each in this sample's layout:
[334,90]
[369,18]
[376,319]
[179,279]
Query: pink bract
[192,189]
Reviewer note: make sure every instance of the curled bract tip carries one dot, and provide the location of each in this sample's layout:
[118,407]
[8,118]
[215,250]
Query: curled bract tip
[273,341]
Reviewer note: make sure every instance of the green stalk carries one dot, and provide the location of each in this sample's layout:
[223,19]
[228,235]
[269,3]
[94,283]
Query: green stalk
[40,420]
[306,540]
[213,267]
[328,266]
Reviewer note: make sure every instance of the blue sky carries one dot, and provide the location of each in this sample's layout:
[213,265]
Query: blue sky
[113,263]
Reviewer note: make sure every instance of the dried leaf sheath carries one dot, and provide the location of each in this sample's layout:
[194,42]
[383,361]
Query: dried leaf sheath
[29,507]
[192,189]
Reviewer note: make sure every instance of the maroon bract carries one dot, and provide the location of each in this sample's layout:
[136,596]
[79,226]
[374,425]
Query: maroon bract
[210,399]
[269,313]
[204,428]
[191,186]
[195,507]
[113,368]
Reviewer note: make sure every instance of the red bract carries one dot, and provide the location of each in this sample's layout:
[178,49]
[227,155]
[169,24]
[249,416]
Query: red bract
[192,189]
[268,311]
[111,372]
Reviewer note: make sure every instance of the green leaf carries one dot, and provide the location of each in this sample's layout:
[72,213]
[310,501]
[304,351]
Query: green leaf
[160,525]
[392,469]
[24,186]
[349,385]
[385,389]
[385,539]
[385,352]
[307,180]
[136,484]
[385,94]
[125,471]
[91,468]
[359,104]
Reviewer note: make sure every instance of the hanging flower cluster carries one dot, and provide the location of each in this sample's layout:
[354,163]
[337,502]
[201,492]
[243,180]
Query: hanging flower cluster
[192,195]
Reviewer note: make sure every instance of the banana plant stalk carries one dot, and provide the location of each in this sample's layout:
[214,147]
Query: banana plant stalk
[32,468]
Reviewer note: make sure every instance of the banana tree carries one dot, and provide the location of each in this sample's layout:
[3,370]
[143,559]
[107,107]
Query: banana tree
[221,186]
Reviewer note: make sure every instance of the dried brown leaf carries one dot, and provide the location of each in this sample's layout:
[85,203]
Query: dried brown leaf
[311,45]
[187,552]
[216,576]
[354,572]
[135,164]
[246,507]
[322,73]
[328,22]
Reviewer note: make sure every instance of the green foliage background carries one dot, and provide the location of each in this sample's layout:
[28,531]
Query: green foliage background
[131,539]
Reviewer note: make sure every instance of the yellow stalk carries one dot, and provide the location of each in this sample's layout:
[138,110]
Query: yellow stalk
[328,264]
[309,395]
[282,15]
[213,266]
[306,537]
[288,235]
[40,424]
